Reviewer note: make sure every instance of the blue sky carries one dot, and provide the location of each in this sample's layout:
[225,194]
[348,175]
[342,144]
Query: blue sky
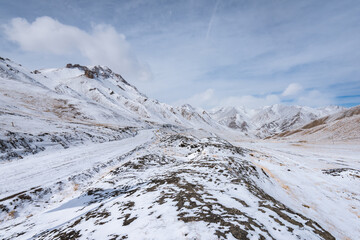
[206,53]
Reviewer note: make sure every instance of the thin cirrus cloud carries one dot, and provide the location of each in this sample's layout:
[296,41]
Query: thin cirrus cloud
[292,89]
[251,101]
[102,45]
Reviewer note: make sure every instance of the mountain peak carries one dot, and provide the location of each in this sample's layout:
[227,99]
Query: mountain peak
[96,71]
[188,107]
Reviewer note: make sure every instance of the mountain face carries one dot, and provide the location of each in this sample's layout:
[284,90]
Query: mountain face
[234,118]
[343,126]
[85,155]
[101,95]
[100,85]
[271,120]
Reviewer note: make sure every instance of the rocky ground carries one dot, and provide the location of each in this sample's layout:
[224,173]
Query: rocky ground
[162,184]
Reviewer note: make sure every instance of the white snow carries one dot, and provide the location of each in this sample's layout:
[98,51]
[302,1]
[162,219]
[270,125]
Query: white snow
[35,170]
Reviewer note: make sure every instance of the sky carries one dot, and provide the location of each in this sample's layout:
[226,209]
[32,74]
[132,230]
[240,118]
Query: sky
[207,53]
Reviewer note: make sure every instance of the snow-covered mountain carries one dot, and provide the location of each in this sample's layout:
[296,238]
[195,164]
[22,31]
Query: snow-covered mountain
[343,126]
[238,118]
[100,85]
[68,101]
[269,120]
[95,94]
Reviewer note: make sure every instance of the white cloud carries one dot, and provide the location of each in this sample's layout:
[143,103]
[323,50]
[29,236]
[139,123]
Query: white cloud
[203,99]
[292,89]
[250,101]
[315,98]
[103,45]
[210,99]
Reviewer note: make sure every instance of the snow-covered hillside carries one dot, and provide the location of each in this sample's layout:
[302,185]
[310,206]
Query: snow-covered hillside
[340,127]
[320,180]
[162,184]
[66,102]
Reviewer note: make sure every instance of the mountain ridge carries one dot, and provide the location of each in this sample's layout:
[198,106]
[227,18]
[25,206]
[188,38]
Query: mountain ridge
[343,126]
[270,120]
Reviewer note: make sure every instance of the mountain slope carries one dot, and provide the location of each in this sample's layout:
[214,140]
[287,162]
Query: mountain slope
[340,127]
[61,107]
[238,119]
[101,85]
[35,117]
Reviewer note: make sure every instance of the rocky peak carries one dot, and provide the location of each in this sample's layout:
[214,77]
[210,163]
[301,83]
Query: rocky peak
[87,72]
[98,71]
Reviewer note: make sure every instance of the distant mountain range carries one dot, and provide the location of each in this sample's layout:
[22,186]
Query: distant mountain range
[341,126]
[270,120]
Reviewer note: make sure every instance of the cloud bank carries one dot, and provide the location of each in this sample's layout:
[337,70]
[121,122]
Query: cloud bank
[102,45]
[294,94]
